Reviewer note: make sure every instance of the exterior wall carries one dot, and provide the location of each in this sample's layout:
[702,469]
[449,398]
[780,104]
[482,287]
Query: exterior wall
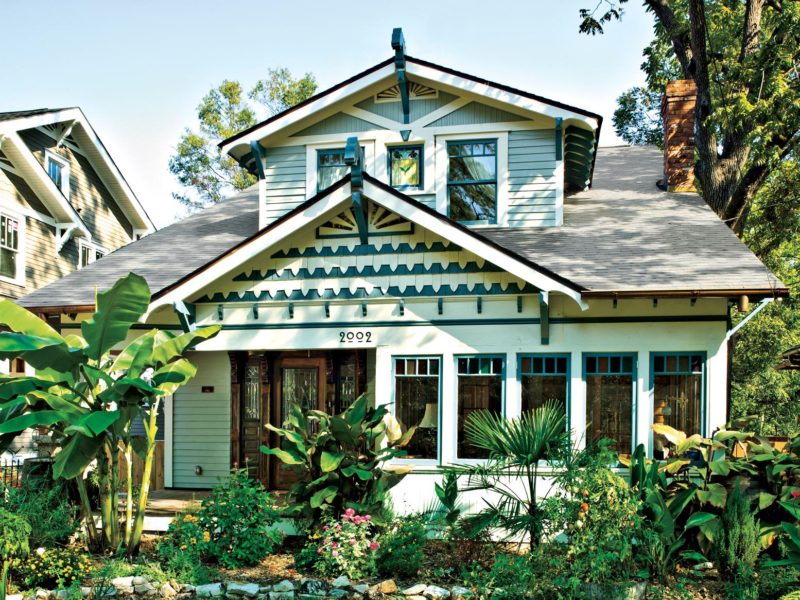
[534,194]
[201,424]
[285,184]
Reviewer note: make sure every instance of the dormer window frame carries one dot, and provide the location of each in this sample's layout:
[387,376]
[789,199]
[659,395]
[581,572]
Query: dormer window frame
[19,220]
[312,154]
[94,252]
[64,167]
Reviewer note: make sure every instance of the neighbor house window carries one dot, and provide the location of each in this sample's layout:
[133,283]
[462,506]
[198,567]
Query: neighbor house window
[472,181]
[677,394]
[89,253]
[416,403]
[58,170]
[480,387]
[610,384]
[405,167]
[544,378]
[9,246]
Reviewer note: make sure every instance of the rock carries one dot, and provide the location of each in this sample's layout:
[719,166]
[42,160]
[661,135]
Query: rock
[142,589]
[338,593]
[58,595]
[105,592]
[341,582]
[19,596]
[387,587]
[42,594]
[706,566]
[209,590]
[281,596]
[85,592]
[264,589]
[185,588]
[283,586]
[184,596]
[355,596]
[415,590]
[461,593]
[361,588]
[434,592]
[167,591]
[313,587]
[139,580]
[416,597]
[124,585]
[247,590]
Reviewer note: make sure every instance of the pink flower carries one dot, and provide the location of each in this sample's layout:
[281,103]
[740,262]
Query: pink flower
[335,553]
[319,550]
[349,512]
[367,517]
[353,542]
[326,527]
[373,546]
[335,545]
[795,494]
[339,527]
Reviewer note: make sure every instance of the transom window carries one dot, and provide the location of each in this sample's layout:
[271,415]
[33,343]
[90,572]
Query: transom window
[58,171]
[677,394]
[331,167]
[480,387]
[405,167]
[416,403]
[544,377]
[9,246]
[472,181]
[610,381]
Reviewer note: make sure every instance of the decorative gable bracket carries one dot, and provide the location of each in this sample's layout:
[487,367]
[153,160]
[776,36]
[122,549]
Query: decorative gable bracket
[399,47]
[64,232]
[352,158]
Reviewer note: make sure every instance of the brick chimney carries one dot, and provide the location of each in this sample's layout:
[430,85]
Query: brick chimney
[677,111]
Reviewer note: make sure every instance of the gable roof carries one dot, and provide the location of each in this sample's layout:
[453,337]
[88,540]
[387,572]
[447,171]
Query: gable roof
[624,237]
[78,126]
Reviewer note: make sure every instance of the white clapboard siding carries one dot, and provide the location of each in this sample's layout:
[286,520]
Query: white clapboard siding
[532,188]
[201,424]
[285,178]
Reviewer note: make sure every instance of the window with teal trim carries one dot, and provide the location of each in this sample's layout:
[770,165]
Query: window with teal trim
[480,387]
[677,395]
[544,378]
[416,403]
[330,167]
[406,165]
[610,387]
[472,181]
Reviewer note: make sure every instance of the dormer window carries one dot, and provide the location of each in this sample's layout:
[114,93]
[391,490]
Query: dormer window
[10,261]
[58,170]
[90,253]
[472,181]
[405,167]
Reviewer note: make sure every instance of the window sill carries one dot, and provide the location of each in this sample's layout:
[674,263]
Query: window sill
[12,280]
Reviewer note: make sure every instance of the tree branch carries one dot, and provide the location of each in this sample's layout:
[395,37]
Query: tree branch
[680,41]
[751,28]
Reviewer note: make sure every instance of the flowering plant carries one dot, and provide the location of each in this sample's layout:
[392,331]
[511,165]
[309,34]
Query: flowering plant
[56,568]
[348,546]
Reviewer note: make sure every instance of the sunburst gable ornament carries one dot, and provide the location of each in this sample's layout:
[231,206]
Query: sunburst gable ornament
[416,91]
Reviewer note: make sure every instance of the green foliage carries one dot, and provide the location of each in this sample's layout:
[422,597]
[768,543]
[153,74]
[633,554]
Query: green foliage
[53,568]
[509,572]
[90,398]
[14,532]
[184,536]
[45,505]
[516,447]
[402,546]
[305,559]
[224,111]
[737,546]
[340,458]
[347,547]
[637,118]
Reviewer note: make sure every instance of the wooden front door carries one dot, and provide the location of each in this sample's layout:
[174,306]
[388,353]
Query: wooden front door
[299,381]
[253,415]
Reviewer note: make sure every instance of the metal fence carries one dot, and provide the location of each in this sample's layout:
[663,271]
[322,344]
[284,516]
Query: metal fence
[10,472]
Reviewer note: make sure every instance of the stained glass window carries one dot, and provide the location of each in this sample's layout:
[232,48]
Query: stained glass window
[405,167]
[472,180]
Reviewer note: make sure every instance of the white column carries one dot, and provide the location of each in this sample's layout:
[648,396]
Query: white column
[643,407]
[168,441]
[448,428]
[383,375]
[716,388]
[513,388]
[577,401]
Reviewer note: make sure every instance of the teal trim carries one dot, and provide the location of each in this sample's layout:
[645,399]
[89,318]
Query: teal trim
[609,373]
[258,157]
[494,289]
[403,248]
[401,308]
[352,158]
[186,313]
[544,315]
[703,385]
[366,271]
[255,311]
[420,148]
[567,375]
[399,47]
[480,305]
[440,305]
[291,310]
[220,312]
[559,140]
[377,324]
[438,357]
[502,376]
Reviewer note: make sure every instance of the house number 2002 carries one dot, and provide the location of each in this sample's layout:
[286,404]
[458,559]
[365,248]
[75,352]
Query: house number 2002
[355,336]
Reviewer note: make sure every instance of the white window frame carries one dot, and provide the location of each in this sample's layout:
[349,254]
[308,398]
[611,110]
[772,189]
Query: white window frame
[427,462]
[93,250]
[19,278]
[65,170]
[440,172]
[311,160]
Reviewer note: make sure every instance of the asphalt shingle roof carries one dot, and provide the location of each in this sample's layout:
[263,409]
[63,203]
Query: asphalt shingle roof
[18,114]
[622,235]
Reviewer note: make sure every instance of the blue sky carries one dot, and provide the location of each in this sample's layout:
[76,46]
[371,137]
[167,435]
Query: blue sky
[139,69]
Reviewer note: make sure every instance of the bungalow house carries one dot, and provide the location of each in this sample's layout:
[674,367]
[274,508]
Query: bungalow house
[444,244]
[63,205]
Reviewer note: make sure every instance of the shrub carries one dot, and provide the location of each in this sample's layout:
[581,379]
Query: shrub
[510,573]
[14,532]
[402,547]
[45,505]
[55,568]
[738,545]
[347,547]
[184,536]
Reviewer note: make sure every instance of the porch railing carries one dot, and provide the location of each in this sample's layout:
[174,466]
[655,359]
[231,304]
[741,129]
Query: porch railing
[10,472]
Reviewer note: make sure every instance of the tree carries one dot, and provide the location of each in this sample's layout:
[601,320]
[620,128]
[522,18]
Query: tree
[90,397]
[744,57]
[637,119]
[198,164]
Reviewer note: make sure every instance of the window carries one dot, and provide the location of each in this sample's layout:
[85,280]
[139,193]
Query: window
[416,403]
[677,394]
[331,167]
[472,181]
[405,167]
[544,377]
[89,253]
[9,246]
[610,381]
[58,170]
[480,387]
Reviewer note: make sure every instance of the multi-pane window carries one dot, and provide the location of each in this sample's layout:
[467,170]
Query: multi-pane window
[544,378]
[677,394]
[472,180]
[331,167]
[405,167]
[480,387]
[9,246]
[89,254]
[610,384]
[58,171]
[416,403]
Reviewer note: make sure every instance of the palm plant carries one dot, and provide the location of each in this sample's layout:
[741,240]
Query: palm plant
[518,449]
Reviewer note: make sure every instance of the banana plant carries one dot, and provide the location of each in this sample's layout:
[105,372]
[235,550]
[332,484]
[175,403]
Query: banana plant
[341,459]
[88,389]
